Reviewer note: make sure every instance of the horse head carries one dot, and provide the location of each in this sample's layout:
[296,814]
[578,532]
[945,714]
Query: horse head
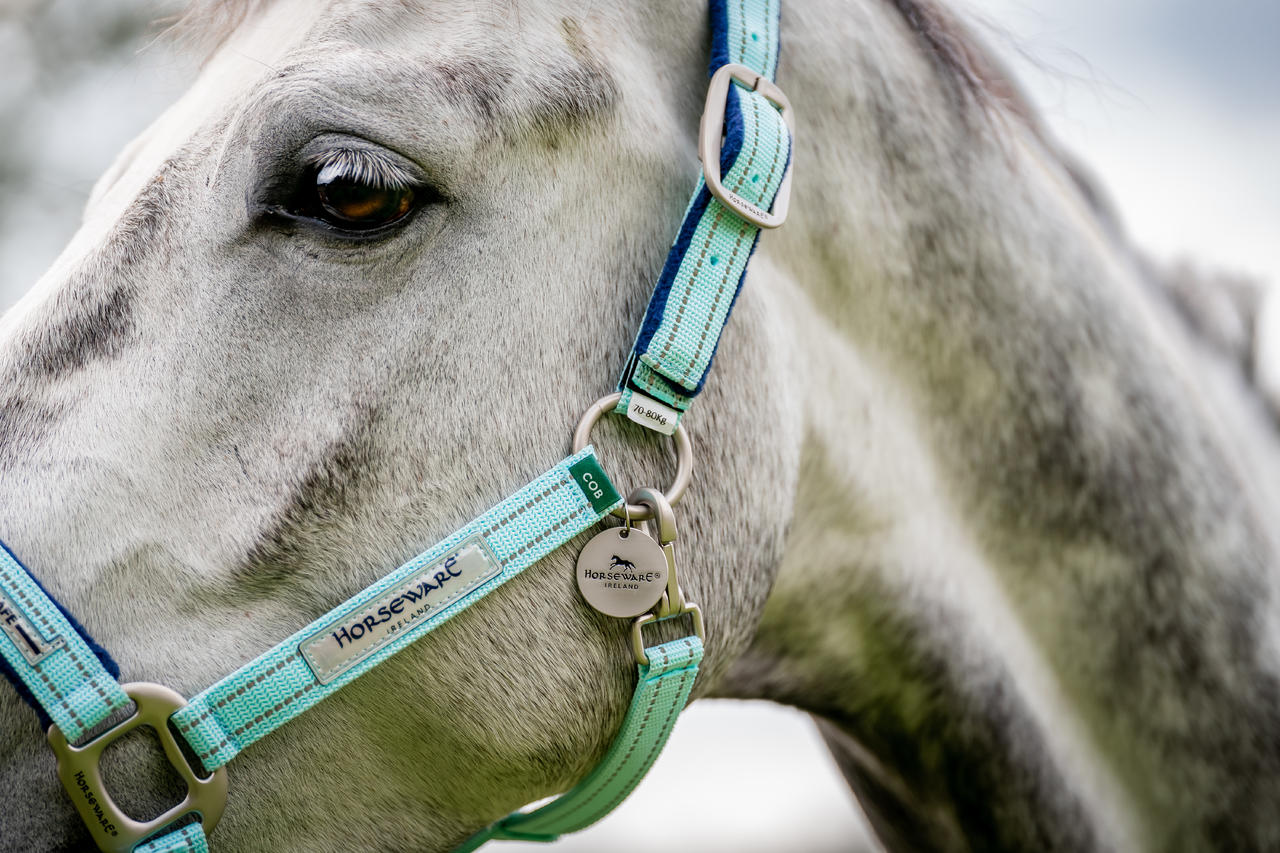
[355,286]
[968,488]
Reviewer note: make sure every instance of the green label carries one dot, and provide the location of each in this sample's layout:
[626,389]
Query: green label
[594,483]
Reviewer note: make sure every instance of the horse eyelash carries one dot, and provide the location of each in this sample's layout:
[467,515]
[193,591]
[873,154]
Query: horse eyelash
[362,167]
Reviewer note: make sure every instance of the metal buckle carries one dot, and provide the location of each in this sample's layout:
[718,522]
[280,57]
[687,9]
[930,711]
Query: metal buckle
[637,635]
[709,141]
[113,830]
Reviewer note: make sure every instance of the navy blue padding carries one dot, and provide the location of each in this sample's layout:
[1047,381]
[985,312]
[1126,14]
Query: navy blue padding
[719,35]
[108,662]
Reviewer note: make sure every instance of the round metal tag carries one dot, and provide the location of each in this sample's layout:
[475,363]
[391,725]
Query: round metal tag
[622,572]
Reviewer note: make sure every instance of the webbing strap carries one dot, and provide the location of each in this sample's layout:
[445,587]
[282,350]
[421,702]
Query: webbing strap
[48,657]
[373,625]
[188,839]
[703,273]
[660,696]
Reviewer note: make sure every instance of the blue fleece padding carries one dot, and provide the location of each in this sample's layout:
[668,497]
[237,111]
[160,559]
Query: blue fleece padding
[719,36]
[108,663]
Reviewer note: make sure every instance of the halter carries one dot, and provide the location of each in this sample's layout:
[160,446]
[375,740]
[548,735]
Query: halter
[745,147]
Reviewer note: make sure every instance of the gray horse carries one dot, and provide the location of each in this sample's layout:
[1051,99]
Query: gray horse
[971,490]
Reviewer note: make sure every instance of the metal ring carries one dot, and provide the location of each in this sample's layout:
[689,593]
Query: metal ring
[684,456]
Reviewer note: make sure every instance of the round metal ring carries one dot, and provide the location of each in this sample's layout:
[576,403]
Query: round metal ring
[684,456]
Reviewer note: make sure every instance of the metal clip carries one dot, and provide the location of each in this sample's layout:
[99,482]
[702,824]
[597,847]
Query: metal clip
[662,527]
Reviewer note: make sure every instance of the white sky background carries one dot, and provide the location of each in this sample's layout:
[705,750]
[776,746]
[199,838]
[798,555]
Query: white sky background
[1175,104]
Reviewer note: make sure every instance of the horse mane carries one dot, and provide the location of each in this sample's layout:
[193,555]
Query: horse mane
[205,24]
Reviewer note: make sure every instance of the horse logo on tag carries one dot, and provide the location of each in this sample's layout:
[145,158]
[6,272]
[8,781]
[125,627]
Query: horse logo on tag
[622,572]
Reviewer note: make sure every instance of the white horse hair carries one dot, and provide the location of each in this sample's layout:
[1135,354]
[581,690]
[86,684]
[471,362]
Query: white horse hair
[970,489]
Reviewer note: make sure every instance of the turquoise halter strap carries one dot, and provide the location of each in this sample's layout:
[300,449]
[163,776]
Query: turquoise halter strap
[49,656]
[56,666]
[340,646]
[707,263]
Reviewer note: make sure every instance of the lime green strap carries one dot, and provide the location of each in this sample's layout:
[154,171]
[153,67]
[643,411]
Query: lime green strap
[660,696]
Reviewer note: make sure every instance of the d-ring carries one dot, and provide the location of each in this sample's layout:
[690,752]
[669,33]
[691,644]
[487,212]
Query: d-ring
[684,456]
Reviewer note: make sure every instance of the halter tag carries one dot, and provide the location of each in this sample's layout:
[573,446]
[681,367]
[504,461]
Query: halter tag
[622,572]
[359,632]
[648,412]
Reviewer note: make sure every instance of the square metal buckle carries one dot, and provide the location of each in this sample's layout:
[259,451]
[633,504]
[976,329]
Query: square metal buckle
[709,141]
[113,830]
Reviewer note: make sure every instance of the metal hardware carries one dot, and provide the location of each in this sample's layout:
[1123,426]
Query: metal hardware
[637,636]
[113,830]
[664,520]
[684,456]
[622,572]
[673,602]
[710,132]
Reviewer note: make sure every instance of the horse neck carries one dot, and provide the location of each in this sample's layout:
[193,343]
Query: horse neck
[1021,484]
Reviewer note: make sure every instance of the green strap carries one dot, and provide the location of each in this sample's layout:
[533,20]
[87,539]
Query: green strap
[660,696]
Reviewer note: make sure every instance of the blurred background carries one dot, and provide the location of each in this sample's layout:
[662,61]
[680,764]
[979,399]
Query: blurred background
[1174,104]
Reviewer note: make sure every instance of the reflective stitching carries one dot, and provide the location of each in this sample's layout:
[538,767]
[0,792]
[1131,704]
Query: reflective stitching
[654,748]
[706,246]
[635,742]
[493,529]
[544,534]
[725,280]
[210,708]
[288,700]
[306,688]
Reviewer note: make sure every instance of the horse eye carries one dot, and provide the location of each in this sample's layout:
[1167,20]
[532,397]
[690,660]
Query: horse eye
[357,206]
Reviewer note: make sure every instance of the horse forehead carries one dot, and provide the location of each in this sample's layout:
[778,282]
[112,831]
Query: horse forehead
[249,54]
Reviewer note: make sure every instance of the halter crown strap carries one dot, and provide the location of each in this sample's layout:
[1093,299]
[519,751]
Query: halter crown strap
[706,265]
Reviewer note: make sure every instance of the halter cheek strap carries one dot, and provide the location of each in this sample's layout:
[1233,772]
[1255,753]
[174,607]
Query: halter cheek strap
[707,263]
[745,143]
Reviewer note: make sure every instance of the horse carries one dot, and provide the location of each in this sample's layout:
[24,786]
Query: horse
[971,489]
